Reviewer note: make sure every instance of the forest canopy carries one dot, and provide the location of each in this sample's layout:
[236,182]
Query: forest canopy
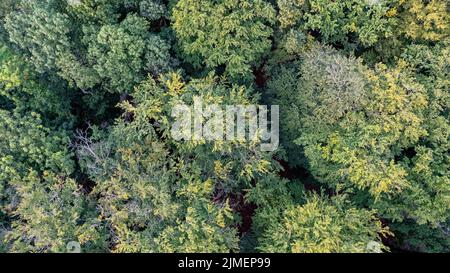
[88,90]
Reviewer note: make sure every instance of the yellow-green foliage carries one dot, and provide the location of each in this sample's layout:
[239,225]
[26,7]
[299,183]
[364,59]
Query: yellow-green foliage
[323,225]
[19,84]
[339,21]
[231,33]
[52,213]
[357,127]
[153,196]
[88,154]
[425,20]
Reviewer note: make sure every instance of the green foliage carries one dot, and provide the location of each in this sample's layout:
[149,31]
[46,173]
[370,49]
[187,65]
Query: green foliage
[51,214]
[135,184]
[152,10]
[28,151]
[421,238]
[88,90]
[231,33]
[96,11]
[272,196]
[197,233]
[417,22]
[105,12]
[26,144]
[323,225]
[327,86]
[368,130]
[235,163]
[6,7]
[346,22]
[174,183]
[87,44]
[20,85]
[424,20]
[42,30]
[121,52]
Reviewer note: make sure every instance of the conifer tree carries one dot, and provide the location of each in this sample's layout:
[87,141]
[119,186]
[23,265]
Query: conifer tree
[234,34]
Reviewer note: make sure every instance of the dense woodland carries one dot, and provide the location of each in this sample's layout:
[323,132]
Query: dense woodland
[86,90]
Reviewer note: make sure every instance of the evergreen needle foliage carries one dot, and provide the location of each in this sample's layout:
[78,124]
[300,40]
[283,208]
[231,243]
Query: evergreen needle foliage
[87,156]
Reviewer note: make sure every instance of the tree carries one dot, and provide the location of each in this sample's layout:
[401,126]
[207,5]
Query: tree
[421,238]
[230,33]
[5,7]
[87,43]
[121,53]
[159,194]
[29,152]
[417,22]
[361,23]
[23,89]
[424,20]
[50,215]
[42,30]
[206,228]
[365,129]
[237,161]
[26,145]
[101,146]
[328,86]
[324,225]
[105,12]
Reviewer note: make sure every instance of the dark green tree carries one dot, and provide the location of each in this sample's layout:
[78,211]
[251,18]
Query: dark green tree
[121,54]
